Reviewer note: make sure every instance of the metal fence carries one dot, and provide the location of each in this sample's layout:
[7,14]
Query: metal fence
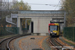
[26,28]
[69,33]
[8,30]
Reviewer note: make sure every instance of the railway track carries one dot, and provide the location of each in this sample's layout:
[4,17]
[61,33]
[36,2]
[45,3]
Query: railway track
[55,45]
[4,44]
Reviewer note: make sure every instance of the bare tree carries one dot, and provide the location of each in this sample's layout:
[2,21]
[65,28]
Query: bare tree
[68,6]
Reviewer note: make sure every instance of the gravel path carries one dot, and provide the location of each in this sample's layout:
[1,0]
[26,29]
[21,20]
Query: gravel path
[16,45]
[31,43]
[45,45]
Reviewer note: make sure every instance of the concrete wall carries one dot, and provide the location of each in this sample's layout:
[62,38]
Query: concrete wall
[41,15]
[41,24]
[19,25]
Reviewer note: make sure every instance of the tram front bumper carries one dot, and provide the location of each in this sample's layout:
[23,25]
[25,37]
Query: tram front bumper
[53,34]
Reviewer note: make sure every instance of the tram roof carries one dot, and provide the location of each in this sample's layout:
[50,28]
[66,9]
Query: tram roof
[54,24]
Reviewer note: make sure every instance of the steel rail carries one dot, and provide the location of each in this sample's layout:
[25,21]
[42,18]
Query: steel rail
[5,42]
[8,47]
[53,44]
[50,43]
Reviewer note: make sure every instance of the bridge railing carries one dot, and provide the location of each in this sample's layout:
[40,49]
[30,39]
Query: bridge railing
[9,20]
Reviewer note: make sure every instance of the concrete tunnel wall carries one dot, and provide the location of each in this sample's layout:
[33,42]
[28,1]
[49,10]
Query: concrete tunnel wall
[40,24]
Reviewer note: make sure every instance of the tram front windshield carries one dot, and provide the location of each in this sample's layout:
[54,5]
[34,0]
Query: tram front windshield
[53,28]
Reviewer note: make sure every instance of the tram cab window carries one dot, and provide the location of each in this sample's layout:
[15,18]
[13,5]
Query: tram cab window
[53,28]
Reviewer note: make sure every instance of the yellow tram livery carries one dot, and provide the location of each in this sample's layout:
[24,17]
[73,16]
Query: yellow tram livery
[54,29]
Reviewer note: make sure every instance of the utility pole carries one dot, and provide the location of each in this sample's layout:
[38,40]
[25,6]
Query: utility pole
[8,4]
[64,19]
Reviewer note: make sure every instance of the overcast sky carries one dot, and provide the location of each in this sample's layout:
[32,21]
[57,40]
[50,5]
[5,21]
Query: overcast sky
[43,7]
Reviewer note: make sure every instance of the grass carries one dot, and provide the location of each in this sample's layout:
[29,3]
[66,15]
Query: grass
[69,43]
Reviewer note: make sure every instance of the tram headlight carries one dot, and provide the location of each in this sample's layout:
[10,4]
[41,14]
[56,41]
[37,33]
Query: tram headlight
[50,32]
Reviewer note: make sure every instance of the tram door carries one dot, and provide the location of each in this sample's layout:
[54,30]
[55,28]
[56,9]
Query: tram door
[32,27]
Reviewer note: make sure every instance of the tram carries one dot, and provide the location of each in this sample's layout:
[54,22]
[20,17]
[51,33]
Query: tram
[54,29]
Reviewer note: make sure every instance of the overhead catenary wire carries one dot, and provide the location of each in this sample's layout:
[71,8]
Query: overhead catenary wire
[54,5]
[57,5]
